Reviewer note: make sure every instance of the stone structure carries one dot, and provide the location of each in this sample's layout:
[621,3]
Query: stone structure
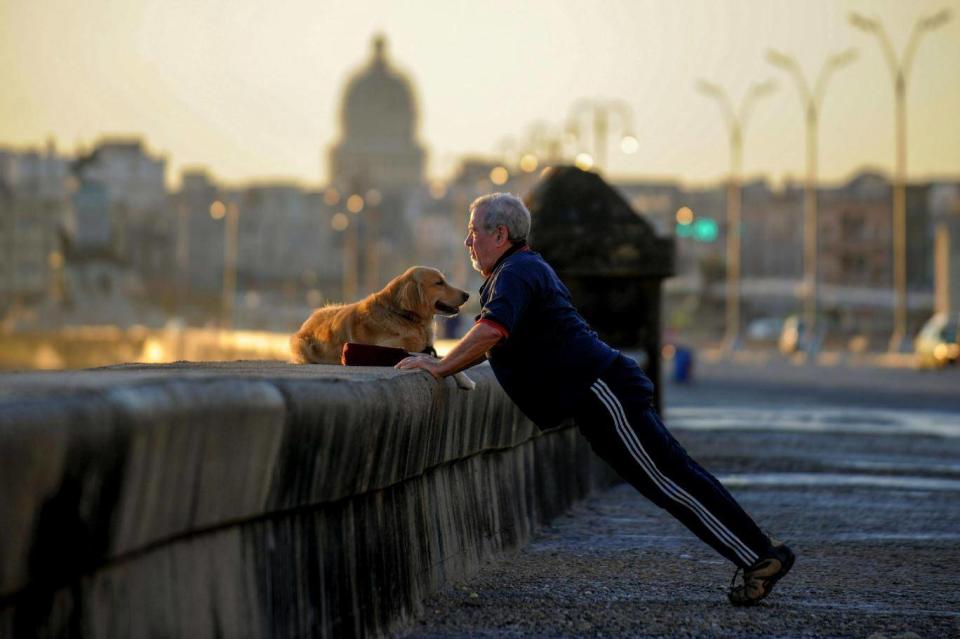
[607,255]
[260,499]
[34,207]
[380,159]
[378,124]
[945,214]
[134,183]
[855,236]
[200,238]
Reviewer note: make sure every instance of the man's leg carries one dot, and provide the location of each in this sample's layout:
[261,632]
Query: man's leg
[621,425]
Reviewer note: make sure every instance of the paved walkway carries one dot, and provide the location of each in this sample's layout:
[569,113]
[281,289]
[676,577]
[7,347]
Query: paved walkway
[869,498]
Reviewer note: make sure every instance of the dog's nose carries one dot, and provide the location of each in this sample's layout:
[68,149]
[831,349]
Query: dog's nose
[466,296]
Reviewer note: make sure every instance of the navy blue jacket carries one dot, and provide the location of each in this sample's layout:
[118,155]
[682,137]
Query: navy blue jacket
[549,356]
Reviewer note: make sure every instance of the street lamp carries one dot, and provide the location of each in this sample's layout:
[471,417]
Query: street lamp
[183,255]
[812,101]
[544,142]
[900,71]
[736,120]
[371,201]
[349,255]
[360,246]
[507,150]
[227,212]
[600,111]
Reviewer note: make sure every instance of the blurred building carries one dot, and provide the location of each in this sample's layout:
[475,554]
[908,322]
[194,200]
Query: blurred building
[379,159]
[285,255]
[855,247]
[656,201]
[378,128]
[199,240]
[61,261]
[286,261]
[100,287]
[772,231]
[944,207]
[138,211]
[34,202]
[322,270]
[855,232]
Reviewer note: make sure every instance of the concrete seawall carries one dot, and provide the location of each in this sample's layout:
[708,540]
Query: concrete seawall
[260,499]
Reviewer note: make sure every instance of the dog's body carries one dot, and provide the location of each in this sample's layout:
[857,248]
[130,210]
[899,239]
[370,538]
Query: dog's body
[401,315]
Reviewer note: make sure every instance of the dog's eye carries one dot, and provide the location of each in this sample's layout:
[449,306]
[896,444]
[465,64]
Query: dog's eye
[440,283]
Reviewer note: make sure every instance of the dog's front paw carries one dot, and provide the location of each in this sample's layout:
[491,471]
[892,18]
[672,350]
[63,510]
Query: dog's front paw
[464,382]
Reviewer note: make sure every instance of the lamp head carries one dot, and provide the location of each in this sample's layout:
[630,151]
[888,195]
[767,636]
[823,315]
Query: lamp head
[763,88]
[862,22]
[779,59]
[709,88]
[936,20]
[840,59]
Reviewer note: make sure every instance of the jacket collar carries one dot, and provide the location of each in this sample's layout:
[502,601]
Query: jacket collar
[515,248]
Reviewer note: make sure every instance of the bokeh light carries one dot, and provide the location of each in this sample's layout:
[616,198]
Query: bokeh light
[217,210]
[528,163]
[438,190]
[355,203]
[331,196]
[499,175]
[339,221]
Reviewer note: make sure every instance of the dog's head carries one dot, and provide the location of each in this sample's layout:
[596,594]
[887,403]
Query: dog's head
[425,292]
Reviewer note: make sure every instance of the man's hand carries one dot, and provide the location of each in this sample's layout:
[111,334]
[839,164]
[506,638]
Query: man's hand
[467,352]
[425,362]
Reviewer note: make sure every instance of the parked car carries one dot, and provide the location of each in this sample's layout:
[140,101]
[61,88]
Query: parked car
[764,330]
[937,342]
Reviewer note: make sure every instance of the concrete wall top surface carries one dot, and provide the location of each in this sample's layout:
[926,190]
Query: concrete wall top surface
[100,464]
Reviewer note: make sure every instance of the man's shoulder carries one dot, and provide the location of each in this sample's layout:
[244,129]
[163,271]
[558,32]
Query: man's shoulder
[527,261]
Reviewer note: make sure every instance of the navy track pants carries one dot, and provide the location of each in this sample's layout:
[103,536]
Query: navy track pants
[619,421]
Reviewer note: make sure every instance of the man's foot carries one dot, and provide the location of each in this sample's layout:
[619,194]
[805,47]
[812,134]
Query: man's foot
[759,579]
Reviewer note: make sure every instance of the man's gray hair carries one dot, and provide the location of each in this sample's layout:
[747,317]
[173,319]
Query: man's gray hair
[503,209]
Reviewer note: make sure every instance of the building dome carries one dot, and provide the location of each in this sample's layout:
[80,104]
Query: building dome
[379,105]
[378,120]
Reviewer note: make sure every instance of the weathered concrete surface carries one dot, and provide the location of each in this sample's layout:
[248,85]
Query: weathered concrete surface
[856,468]
[259,498]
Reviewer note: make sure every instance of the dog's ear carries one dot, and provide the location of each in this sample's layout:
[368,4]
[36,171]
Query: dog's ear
[409,296]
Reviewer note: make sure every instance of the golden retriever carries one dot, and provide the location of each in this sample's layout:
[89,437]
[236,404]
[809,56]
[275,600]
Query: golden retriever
[401,315]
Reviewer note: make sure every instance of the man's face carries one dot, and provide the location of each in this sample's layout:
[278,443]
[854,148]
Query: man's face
[485,247]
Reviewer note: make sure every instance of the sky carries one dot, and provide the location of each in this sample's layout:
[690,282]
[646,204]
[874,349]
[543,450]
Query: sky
[251,89]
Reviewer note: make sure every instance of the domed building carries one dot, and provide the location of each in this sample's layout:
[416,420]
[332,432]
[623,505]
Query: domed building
[378,124]
[378,158]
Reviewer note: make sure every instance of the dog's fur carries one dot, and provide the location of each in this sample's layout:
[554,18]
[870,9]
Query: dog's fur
[401,315]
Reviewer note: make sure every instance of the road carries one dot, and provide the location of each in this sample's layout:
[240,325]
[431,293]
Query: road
[857,468]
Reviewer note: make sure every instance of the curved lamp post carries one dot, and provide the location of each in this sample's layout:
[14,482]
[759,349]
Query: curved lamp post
[812,100]
[599,112]
[900,70]
[736,121]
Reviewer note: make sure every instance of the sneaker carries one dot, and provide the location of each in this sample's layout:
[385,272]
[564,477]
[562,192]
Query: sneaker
[759,579]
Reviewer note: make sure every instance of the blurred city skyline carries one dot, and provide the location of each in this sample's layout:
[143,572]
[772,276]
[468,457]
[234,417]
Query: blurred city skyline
[253,92]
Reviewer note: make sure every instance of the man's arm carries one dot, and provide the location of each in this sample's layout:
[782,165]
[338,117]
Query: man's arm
[467,352]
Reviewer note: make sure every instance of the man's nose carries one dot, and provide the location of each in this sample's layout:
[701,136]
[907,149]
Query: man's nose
[466,241]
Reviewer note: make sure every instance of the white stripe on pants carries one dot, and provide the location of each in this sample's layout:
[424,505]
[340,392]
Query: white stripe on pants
[663,483]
